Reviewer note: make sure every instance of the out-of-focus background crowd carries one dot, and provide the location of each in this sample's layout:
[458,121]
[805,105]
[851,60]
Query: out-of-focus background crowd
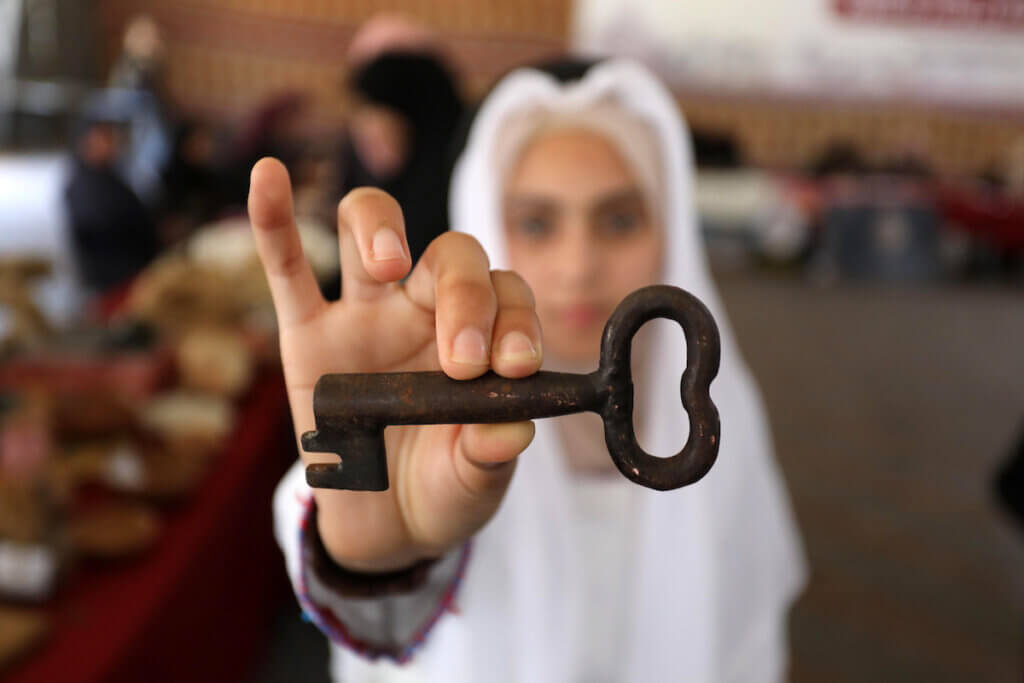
[860,186]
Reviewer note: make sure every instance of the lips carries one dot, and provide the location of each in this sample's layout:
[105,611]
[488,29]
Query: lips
[582,315]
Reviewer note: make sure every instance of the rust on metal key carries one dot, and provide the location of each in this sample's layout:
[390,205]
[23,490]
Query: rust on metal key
[352,410]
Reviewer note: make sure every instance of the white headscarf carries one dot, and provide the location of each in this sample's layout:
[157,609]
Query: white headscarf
[631,137]
[717,564]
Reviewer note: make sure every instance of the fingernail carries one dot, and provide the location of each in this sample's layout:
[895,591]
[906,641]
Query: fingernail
[516,347]
[387,246]
[469,348]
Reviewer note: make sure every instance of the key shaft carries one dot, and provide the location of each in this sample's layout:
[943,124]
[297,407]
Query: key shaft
[401,398]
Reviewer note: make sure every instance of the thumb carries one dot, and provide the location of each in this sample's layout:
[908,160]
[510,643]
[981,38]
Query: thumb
[447,502]
[485,455]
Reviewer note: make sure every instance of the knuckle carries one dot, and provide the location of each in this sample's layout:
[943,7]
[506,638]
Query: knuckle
[465,294]
[512,290]
[460,243]
[271,217]
[509,319]
[288,264]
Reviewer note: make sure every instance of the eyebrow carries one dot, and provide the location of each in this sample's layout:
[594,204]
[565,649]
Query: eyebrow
[625,196]
[528,200]
[534,200]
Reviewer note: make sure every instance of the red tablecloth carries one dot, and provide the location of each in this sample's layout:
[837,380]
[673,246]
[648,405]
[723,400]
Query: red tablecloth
[198,606]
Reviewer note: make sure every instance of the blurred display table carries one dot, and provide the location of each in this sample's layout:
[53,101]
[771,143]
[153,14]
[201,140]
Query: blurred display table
[198,606]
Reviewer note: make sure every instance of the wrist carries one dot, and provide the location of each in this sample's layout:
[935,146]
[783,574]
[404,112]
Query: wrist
[354,551]
[397,574]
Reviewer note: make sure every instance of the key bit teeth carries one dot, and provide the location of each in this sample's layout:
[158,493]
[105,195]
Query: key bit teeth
[354,474]
[311,442]
[325,476]
[364,465]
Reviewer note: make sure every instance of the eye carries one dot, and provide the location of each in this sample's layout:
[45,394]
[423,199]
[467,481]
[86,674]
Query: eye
[620,223]
[534,226]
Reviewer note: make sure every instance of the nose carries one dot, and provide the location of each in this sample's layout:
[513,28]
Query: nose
[579,257]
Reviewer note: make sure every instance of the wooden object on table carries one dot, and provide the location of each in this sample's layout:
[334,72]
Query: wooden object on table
[132,375]
[92,413]
[190,424]
[28,324]
[23,514]
[20,631]
[151,471]
[31,557]
[193,606]
[215,360]
[25,435]
[173,295]
[114,530]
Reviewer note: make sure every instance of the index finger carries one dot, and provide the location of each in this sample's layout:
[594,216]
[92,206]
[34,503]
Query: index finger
[296,295]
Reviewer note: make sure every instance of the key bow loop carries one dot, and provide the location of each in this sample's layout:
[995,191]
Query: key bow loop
[702,358]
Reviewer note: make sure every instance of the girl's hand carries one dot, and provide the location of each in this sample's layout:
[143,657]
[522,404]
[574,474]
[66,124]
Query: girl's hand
[452,313]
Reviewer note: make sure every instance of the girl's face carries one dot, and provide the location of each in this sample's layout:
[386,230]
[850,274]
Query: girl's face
[580,233]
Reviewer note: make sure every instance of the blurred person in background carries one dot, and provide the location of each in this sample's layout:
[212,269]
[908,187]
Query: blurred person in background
[389,32]
[315,185]
[142,60]
[137,83]
[838,159]
[404,124]
[580,177]
[401,138]
[1009,481]
[1014,165]
[274,128]
[193,188]
[1010,476]
[113,235]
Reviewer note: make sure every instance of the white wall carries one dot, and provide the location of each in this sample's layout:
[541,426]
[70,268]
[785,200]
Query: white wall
[32,223]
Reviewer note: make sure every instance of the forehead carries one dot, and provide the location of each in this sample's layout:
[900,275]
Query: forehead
[569,163]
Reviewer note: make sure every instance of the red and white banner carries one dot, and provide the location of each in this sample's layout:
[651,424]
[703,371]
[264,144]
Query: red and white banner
[968,53]
[949,13]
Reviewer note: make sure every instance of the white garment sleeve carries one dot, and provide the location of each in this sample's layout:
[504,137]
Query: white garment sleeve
[390,626]
[763,657]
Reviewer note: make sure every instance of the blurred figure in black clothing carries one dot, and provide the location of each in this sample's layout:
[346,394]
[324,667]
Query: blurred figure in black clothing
[715,149]
[838,159]
[274,129]
[1009,481]
[193,191]
[112,234]
[401,137]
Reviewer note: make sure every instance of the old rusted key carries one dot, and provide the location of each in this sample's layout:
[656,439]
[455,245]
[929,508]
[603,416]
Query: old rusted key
[351,410]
